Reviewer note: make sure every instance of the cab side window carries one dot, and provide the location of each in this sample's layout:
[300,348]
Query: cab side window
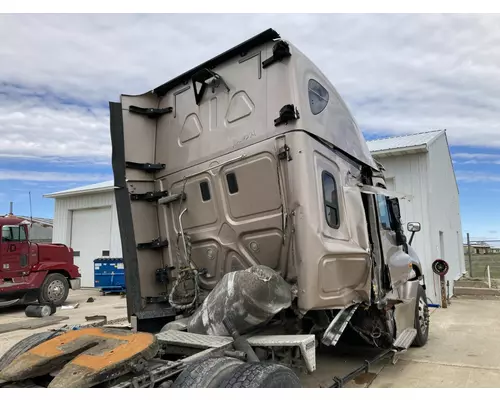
[331,200]
[383,211]
[13,233]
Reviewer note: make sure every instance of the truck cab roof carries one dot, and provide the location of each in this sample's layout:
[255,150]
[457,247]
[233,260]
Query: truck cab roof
[240,97]
[10,220]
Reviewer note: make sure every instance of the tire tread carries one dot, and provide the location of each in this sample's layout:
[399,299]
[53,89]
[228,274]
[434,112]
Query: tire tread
[260,375]
[23,346]
[204,373]
[420,340]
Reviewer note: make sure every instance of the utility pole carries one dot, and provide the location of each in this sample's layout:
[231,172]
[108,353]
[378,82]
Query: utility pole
[11,212]
[470,255]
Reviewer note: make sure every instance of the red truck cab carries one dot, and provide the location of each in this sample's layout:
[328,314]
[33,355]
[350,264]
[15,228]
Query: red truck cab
[32,272]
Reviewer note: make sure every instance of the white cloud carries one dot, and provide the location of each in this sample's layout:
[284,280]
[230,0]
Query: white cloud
[398,73]
[475,177]
[33,128]
[479,156]
[35,176]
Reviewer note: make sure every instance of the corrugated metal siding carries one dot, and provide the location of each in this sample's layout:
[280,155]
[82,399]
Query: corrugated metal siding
[410,177]
[445,210]
[62,217]
[429,178]
[398,142]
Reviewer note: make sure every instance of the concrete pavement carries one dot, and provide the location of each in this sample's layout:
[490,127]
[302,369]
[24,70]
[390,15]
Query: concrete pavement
[463,350]
[112,306]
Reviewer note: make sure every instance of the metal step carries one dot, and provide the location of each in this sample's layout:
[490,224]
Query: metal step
[306,344]
[194,340]
[405,339]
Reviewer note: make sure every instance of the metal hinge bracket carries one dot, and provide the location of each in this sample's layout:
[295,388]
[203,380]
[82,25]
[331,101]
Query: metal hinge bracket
[162,274]
[281,50]
[201,77]
[148,196]
[287,113]
[147,167]
[150,112]
[154,244]
[284,153]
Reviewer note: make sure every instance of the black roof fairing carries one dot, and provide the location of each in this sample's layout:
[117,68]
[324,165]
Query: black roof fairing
[247,45]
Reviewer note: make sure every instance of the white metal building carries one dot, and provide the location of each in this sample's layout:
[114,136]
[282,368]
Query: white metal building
[420,166]
[417,165]
[85,219]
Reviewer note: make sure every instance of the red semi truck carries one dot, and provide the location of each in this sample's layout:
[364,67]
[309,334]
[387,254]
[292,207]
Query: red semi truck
[31,272]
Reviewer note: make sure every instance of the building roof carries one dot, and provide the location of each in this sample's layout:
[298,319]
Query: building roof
[414,143]
[37,220]
[94,188]
[408,144]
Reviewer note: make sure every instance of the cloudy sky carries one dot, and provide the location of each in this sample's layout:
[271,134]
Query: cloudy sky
[398,73]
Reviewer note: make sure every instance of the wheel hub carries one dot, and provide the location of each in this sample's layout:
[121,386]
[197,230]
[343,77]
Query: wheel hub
[55,290]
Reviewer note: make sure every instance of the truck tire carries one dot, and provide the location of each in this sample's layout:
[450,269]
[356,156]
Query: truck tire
[262,375]
[22,385]
[207,373]
[421,318]
[24,345]
[54,290]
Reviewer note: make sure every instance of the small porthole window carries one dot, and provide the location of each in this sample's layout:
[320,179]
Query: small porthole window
[318,96]
[105,253]
[205,191]
[331,200]
[76,253]
[232,183]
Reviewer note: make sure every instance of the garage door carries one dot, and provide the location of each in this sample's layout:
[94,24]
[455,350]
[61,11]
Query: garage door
[90,237]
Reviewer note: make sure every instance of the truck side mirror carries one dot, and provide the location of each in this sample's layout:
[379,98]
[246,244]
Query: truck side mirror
[413,226]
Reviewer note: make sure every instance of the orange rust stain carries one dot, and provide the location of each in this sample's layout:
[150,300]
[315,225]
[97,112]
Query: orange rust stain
[135,343]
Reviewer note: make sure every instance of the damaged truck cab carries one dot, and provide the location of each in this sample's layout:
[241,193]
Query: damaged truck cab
[254,221]
[253,158]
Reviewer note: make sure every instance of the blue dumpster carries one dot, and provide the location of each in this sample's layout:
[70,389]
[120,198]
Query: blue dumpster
[109,275]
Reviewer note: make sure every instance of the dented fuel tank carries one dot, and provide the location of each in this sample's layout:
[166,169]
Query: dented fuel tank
[248,298]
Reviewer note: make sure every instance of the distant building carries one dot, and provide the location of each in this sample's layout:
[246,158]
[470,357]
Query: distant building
[481,248]
[40,231]
[86,220]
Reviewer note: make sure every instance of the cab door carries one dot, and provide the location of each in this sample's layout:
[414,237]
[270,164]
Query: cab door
[396,258]
[14,248]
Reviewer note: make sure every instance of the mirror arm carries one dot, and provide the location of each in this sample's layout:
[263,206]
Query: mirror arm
[411,238]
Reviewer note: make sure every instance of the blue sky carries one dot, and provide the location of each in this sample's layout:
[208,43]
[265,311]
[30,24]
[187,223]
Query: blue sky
[399,74]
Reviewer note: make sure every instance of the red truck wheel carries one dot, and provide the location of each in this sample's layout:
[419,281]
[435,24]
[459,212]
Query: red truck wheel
[54,290]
